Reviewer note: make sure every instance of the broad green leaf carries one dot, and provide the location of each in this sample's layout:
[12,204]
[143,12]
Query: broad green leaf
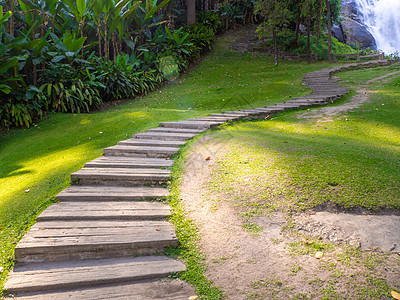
[81,6]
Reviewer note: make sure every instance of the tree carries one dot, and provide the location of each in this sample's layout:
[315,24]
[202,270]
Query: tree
[191,12]
[275,14]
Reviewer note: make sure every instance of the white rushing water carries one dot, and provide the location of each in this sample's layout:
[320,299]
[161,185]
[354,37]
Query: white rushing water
[383,19]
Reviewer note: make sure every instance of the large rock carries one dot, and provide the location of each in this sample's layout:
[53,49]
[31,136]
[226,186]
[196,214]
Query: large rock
[357,35]
[352,31]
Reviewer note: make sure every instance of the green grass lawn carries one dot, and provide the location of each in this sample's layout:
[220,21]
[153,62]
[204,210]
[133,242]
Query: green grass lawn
[350,161]
[35,163]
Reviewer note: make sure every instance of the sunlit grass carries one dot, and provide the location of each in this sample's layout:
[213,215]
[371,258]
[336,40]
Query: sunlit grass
[41,159]
[351,160]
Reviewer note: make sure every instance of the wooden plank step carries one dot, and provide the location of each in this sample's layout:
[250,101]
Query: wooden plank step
[129,162]
[105,210]
[140,151]
[190,124]
[151,143]
[256,112]
[274,109]
[119,176]
[166,289]
[166,136]
[306,103]
[239,113]
[230,116]
[220,119]
[89,273]
[70,243]
[112,193]
[62,224]
[176,130]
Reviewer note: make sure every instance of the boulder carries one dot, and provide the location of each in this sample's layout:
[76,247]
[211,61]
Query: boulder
[357,35]
[337,32]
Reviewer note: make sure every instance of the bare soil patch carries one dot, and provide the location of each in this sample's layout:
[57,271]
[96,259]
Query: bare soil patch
[273,256]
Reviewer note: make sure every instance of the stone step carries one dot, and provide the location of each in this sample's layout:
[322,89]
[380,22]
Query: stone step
[89,273]
[73,241]
[166,289]
[166,136]
[140,151]
[105,210]
[190,124]
[151,143]
[176,130]
[119,176]
[129,162]
[112,193]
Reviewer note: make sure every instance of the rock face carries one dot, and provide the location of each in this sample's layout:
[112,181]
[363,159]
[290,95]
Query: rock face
[352,31]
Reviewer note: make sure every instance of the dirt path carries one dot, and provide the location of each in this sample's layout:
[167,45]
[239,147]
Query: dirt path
[270,264]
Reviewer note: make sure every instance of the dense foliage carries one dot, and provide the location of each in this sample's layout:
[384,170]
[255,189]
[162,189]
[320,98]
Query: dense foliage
[74,55]
[287,16]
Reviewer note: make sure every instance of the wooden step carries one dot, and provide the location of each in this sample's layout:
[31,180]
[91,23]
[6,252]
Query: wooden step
[165,289]
[89,273]
[239,113]
[112,193]
[73,241]
[220,120]
[166,136]
[119,176]
[105,210]
[140,151]
[151,143]
[176,130]
[274,109]
[190,124]
[129,162]
[229,116]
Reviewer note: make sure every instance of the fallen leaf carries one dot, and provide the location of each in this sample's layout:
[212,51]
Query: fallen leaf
[208,158]
[395,295]
[158,229]
[193,297]
[319,254]
[27,191]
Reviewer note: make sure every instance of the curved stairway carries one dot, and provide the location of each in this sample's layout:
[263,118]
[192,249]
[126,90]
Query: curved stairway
[106,236]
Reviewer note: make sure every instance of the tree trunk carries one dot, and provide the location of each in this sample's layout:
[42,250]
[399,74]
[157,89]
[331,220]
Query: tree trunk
[297,24]
[319,20]
[329,31]
[275,48]
[99,37]
[191,12]
[309,37]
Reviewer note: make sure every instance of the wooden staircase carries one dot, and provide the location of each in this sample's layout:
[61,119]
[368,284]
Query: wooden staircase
[106,237]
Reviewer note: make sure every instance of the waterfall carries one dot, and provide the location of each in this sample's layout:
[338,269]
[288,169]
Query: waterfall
[382,17]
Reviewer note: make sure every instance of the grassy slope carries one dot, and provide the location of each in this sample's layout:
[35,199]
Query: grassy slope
[351,160]
[40,159]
